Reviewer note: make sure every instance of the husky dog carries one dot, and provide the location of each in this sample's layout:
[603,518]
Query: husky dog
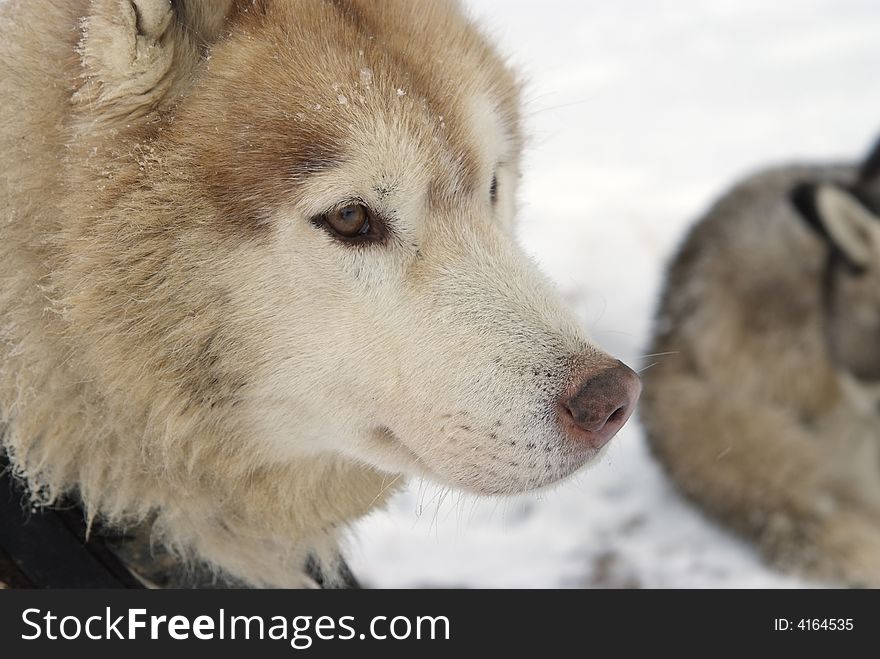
[258,262]
[766,412]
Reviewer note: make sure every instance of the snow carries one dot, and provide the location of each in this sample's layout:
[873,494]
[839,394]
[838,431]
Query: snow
[640,113]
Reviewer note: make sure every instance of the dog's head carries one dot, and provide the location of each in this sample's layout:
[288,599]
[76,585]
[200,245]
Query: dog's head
[344,174]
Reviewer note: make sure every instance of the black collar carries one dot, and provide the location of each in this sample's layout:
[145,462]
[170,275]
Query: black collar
[48,547]
[43,547]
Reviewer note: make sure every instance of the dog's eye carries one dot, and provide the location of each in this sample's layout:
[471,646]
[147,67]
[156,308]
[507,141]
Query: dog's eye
[349,221]
[493,190]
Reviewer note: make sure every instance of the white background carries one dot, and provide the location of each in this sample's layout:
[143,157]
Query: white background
[639,113]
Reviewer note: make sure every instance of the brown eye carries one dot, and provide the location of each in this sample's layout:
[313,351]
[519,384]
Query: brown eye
[349,221]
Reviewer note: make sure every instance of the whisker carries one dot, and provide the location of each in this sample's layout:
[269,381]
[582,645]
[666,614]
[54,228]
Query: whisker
[435,520]
[385,488]
[642,370]
[532,113]
[420,499]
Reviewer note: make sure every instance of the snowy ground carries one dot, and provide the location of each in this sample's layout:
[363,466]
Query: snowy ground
[640,113]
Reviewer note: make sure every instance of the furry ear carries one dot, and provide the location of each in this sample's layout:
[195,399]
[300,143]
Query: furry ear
[129,48]
[841,219]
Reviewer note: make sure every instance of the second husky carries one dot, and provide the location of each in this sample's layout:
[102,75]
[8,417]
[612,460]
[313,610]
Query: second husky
[766,411]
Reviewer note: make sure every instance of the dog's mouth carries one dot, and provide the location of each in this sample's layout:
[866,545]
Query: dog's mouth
[500,467]
[501,448]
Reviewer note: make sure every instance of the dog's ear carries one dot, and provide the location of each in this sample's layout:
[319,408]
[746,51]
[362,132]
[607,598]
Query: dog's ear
[134,52]
[850,228]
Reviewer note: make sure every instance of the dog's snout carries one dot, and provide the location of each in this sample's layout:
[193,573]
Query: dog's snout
[598,403]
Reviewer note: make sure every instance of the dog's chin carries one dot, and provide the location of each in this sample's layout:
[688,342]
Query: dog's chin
[525,483]
[388,452]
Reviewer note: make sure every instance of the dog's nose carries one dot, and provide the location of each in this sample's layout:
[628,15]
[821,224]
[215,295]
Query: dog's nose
[598,403]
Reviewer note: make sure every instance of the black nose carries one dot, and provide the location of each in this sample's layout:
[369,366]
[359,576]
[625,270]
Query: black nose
[598,403]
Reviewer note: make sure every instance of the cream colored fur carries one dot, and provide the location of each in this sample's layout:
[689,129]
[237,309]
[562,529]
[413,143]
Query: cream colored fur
[180,343]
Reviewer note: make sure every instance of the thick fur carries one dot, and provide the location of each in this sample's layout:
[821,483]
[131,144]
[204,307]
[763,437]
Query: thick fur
[752,410]
[181,344]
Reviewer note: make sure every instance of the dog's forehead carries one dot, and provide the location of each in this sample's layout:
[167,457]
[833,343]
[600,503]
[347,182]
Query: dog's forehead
[399,87]
[446,150]
[419,73]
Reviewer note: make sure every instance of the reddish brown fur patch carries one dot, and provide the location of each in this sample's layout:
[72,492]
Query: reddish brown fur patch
[257,170]
[264,82]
